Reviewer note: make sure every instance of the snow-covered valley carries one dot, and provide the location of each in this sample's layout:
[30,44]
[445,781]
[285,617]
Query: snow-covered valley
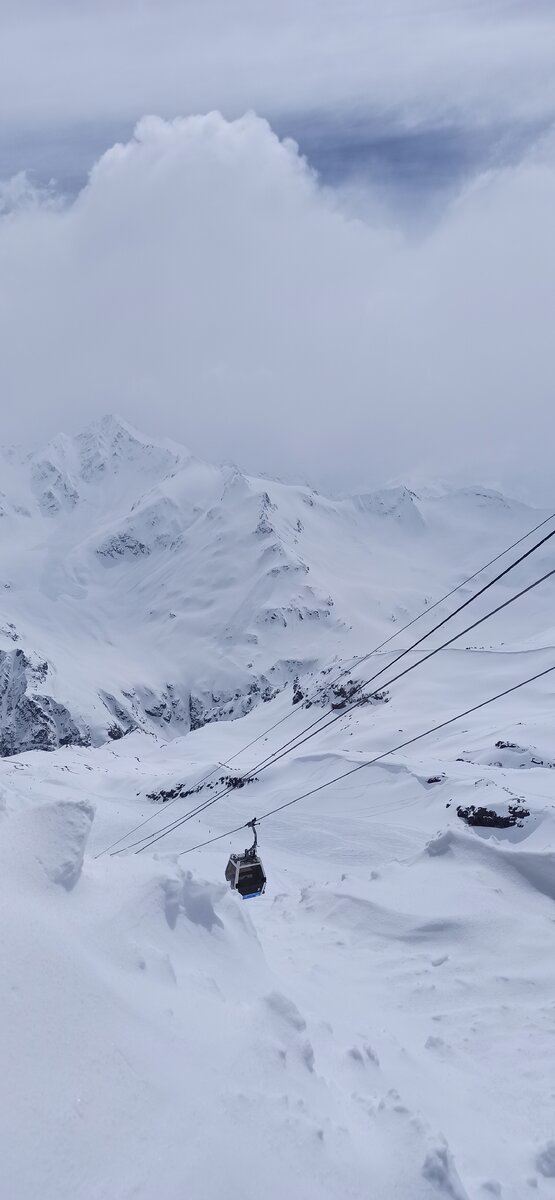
[380,1025]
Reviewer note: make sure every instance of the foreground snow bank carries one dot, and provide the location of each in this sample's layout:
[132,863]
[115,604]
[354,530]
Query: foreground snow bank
[379,1025]
[148,1050]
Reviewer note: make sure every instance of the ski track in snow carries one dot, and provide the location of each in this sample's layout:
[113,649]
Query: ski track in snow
[381,1024]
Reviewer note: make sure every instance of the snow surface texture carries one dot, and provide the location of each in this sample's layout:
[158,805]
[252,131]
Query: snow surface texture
[381,1024]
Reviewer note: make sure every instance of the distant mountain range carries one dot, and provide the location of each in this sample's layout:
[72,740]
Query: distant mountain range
[143,588]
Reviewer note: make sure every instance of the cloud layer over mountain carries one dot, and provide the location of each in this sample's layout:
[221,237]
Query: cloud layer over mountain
[207,286]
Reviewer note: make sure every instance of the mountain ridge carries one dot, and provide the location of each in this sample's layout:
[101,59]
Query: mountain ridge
[157,591]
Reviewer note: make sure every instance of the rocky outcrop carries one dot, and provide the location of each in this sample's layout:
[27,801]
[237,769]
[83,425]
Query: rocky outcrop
[338,696]
[54,489]
[30,720]
[121,547]
[227,706]
[154,527]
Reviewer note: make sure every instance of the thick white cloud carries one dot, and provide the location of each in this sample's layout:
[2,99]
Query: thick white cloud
[205,286]
[63,62]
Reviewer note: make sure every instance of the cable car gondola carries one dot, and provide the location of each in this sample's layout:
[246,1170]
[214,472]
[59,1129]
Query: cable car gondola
[244,872]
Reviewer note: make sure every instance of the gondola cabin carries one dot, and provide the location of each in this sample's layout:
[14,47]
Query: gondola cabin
[245,873]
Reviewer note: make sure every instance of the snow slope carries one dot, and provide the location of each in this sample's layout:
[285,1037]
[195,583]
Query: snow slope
[140,588]
[381,1023]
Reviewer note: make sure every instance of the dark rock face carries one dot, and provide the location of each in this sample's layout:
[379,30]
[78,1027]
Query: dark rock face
[32,720]
[55,491]
[115,733]
[229,782]
[487,818]
[123,719]
[121,546]
[338,696]
[227,706]
[29,720]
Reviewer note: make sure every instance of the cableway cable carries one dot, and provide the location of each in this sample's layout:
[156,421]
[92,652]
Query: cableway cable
[378,758]
[150,840]
[293,741]
[444,645]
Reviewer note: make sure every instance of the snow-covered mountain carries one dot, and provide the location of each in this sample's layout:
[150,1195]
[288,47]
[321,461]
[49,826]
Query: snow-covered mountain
[381,1023]
[142,588]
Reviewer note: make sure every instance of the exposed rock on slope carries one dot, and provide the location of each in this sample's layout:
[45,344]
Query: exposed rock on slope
[30,720]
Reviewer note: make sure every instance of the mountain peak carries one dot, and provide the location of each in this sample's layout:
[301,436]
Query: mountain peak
[108,449]
[398,502]
[113,430]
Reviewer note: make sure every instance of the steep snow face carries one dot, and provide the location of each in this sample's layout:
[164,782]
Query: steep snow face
[381,1022]
[161,592]
[170,1056]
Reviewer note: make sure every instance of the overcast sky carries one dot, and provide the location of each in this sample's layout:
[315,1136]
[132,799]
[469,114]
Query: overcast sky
[375,300]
